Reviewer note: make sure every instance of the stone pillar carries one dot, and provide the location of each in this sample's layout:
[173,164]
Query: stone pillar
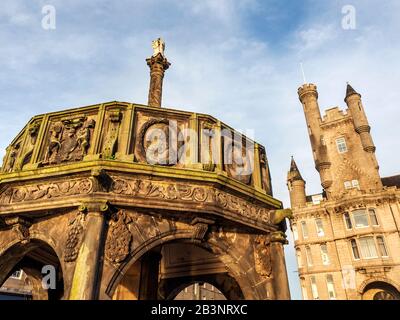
[279,273]
[149,276]
[88,263]
[158,64]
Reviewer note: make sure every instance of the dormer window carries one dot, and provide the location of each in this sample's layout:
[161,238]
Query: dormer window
[341,145]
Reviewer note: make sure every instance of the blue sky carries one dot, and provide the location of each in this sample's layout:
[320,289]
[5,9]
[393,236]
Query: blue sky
[237,60]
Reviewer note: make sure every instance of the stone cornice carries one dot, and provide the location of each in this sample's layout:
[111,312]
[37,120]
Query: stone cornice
[361,200]
[182,174]
[141,191]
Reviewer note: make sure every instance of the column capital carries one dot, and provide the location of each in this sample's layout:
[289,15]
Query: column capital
[158,60]
[95,206]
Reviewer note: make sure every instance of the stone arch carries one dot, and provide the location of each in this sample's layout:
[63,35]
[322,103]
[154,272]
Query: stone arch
[373,286]
[23,255]
[233,264]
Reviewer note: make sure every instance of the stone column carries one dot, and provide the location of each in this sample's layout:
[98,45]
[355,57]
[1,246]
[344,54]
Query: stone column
[158,64]
[86,278]
[279,273]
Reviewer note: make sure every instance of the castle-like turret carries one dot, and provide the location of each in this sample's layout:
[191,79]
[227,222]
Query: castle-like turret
[308,96]
[361,125]
[296,186]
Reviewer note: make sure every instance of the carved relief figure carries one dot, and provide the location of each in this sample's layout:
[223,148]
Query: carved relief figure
[28,149]
[12,157]
[83,137]
[54,144]
[69,140]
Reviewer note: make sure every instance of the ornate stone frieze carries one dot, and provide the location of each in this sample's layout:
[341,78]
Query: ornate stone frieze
[74,239]
[45,191]
[197,194]
[119,237]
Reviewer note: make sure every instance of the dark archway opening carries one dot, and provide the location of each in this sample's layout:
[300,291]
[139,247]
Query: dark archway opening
[33,271]
[380,290]
[165,271]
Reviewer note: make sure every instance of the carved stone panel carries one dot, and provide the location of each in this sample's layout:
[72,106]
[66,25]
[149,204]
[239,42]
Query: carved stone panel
[119,237]
[69,140]
[159,142]
[74,239]
[238,157]
[262,255]
[40,191]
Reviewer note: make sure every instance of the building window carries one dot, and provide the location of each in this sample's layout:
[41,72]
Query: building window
[304,229]
[314,288]
[299,259]
[354,248]
[341,145]
[330,286]
[309,256]
[360,219]
[304,291]
[295,233]
[368,248]
[324,255]
[319,227]
[355,184]
[372,216]
[17,274]
[382,246]
[348,221]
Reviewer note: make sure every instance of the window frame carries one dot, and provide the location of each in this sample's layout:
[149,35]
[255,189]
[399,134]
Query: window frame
[18,276]
[366,213]
[375,217]
[373,242]
[317,228]
[314,286]
[326,253]
[332,284]
[339,144]
[354,241]
[310,261]
[345,216]
[295,232]
[299,258]
[304,227]
[384,246]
